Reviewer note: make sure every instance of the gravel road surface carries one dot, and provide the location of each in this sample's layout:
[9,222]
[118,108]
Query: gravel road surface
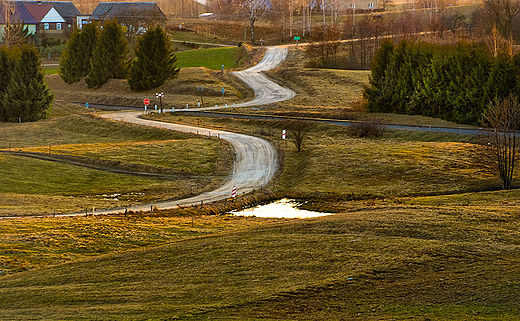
[255,163]
[266,91]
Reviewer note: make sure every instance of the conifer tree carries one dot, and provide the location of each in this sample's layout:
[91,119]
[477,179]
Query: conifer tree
[76,57]
[5,76]
[109,57]
[379,91]
[155,61]
[502,79]
[70,59]
[26,97]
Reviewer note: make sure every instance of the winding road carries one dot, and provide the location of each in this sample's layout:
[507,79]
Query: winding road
[266,90]
[255,161]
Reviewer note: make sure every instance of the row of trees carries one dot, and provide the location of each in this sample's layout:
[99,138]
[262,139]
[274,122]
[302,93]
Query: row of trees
[24,96]
[495,23]
[99,55]
[453,82]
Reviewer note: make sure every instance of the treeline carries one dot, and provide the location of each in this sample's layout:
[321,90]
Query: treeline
[24,96]
[99,55]
[452,82]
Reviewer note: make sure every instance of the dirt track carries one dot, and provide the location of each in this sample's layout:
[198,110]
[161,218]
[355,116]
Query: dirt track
[256,160]
[266,91]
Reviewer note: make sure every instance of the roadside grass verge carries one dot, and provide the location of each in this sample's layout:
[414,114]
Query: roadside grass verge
[379,263]
[212,58]
[177,92]
[50,71]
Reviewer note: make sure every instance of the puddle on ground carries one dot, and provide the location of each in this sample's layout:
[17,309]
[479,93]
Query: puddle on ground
[284,208]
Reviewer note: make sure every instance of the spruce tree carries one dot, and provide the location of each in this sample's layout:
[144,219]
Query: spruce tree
[89,39]
[155,61]
[502,79]
[5,75]
[26,97]
[76,57]
[70,60]
[379,91]
[109,57]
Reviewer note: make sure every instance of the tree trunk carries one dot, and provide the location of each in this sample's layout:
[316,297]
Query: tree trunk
[252,27]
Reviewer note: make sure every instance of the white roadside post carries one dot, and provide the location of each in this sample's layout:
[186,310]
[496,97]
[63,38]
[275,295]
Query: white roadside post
[234,192]
[284,132]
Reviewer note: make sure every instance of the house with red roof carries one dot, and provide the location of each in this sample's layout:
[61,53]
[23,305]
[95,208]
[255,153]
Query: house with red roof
[47,17]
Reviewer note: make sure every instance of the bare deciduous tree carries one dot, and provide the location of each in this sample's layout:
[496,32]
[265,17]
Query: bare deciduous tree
[299,131]
[256,9]
[504,117]
[500,14]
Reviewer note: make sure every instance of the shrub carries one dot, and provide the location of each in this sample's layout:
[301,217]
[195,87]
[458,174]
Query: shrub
[366,129]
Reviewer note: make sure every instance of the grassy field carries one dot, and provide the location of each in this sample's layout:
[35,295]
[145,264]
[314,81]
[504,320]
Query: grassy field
[194,164]
[392,251]
[378,263]
[34,243]
[194,37]
[212,58]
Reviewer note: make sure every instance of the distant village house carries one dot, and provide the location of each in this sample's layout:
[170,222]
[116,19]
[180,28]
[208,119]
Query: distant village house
[135,17]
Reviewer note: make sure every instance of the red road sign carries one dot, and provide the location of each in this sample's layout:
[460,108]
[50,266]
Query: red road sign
[234,192]
[147,101]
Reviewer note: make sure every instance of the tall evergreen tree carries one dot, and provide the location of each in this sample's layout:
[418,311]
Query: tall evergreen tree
[380,90]
[155,61]
[502,79]
[26,97]
[70,59]
[109,57]
[76,57]
[5,76]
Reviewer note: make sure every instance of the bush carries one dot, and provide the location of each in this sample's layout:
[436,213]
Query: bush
[366,129]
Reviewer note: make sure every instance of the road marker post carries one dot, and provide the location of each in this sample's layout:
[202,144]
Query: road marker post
[234,192]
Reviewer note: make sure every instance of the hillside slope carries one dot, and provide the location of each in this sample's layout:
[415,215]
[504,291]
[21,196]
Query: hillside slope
[377,263]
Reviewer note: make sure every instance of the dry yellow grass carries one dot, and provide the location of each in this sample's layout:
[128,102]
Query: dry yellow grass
[378,263]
